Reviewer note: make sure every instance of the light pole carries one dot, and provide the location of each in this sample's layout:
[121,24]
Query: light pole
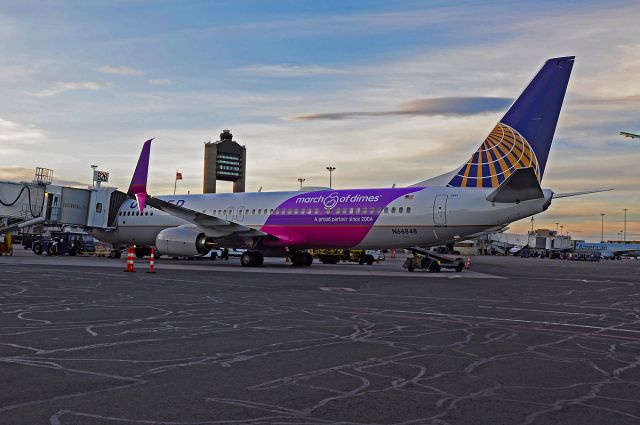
[93,175]
[301,180]
[625,225]
[330,170]
[557,227]
[561,226]
[602,228]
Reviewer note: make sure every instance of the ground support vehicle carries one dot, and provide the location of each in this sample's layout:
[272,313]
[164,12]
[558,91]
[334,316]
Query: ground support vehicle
[334,256]
[425,260]
[61,243]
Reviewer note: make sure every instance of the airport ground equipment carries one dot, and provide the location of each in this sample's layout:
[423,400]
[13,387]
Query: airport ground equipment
[41,202]
[426,260]
[334,256]
[64,243]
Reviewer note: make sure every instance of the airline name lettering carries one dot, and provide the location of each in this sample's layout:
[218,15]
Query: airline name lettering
[179,202]
[333,199]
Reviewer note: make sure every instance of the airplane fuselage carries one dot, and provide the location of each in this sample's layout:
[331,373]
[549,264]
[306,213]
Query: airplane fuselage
[356,218]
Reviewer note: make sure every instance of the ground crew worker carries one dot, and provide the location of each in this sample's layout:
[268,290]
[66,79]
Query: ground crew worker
[8,243]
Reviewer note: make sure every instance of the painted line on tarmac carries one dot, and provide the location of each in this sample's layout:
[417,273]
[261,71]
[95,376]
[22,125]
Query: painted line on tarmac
[538,311]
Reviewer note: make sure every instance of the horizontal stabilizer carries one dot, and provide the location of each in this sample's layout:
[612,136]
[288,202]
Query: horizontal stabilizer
[521,185]
[585,192]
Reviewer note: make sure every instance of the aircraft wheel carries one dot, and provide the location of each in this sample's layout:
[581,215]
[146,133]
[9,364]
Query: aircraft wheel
[258,259]
[246,259]
[297,259]
[307,259]
[369,260]
[37,248]
[434,267]
[459,267]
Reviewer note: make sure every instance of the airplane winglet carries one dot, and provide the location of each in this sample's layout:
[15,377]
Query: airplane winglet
[138,186]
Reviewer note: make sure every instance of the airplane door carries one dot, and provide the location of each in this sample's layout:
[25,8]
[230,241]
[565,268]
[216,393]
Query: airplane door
[440,210]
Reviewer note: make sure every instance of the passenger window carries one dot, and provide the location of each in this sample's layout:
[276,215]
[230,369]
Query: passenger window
[272,211]
[295,211]
[289,211]
[393,210]
[336,211]
[400,210]
[316,211]
[408,210]
[253,212]
[357,210]
[350,210]
[372,210]
[309,211]
[344,211]
[386,210]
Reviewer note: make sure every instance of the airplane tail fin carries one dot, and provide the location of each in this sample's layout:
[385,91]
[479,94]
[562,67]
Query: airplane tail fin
[138,186]
[523,136]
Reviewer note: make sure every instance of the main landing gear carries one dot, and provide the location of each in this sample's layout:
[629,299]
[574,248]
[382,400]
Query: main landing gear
[252,259]
[301,259]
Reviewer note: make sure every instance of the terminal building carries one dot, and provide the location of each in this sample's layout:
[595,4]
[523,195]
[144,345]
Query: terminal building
[224,160]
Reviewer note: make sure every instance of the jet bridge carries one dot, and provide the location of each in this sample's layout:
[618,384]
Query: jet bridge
[22,203]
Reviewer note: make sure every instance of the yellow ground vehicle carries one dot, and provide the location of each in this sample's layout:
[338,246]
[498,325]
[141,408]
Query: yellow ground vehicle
[334,256]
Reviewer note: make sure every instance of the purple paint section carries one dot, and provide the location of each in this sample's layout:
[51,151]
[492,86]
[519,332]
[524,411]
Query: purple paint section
[138,186]
[331,219]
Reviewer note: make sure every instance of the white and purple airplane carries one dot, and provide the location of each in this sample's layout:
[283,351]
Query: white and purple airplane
[499,184]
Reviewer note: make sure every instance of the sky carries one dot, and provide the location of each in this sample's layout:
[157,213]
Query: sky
[386,92]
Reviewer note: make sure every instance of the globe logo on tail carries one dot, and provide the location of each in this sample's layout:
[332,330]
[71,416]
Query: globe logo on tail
[503,151]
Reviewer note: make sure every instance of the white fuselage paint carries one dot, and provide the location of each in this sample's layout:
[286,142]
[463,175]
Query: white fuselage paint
[466,212]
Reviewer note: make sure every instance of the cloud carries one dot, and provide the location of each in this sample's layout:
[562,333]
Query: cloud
[160,82]
[446,106]
[17,173]
[19,133]
[13,73]
[287,70]
[64,87]
[121,70]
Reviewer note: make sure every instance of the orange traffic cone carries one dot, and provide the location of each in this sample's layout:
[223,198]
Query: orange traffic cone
[468,264]
[151,265]
[129,268]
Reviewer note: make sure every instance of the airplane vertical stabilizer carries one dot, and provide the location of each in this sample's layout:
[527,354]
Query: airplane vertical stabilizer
[522,138]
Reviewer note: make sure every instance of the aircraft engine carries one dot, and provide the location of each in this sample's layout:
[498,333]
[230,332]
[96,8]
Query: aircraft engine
[182,242]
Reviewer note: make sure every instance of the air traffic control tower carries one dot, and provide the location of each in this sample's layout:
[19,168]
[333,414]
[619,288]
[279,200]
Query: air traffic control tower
[224,160]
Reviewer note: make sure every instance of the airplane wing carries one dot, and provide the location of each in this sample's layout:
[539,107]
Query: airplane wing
[586,192]
[212,226]
[632,135]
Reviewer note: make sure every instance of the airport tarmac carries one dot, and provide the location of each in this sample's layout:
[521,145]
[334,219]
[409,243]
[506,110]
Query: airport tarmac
[514,341]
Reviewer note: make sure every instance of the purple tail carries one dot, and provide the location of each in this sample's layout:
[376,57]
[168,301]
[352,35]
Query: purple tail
[138,186]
